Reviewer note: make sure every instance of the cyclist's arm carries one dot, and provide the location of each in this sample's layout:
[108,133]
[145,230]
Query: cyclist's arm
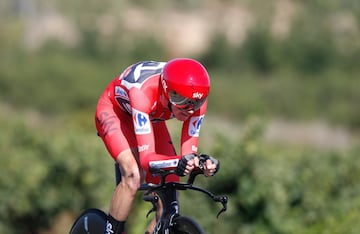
[145,138]
[191,130]
[189,144]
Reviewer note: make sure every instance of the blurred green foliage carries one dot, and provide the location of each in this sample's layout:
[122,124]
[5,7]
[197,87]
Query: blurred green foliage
[45,173]
[55,163]
[277,190]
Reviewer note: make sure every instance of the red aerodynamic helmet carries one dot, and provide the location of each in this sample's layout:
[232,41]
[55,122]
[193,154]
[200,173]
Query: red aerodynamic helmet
[186,83]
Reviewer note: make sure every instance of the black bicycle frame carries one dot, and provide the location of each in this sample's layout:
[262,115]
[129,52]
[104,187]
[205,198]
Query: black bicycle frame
[170,209]
[167,193]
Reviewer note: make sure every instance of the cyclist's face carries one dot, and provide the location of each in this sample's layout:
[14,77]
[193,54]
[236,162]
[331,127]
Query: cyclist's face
[181,114]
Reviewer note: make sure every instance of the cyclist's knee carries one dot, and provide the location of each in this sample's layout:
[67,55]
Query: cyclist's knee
[130,173]
[131,179]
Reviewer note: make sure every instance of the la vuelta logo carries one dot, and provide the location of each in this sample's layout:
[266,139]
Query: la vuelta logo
[194,125]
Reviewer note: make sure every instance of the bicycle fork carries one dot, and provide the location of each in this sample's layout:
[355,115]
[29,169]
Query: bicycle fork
[166,206]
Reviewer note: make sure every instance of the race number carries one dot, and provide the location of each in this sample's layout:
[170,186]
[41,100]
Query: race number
[140,72]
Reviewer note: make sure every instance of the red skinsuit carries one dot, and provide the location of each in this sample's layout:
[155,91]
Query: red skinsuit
[129,114]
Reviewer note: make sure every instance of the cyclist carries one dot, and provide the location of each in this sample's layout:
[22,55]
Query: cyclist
[130,119]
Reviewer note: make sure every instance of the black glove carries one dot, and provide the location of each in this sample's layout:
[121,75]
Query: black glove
[180,169]
[204,157]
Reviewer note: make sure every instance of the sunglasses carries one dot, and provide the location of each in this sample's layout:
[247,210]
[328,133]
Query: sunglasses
[185,103]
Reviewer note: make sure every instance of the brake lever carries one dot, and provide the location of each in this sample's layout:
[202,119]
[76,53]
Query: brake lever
[154,200]
[223,200]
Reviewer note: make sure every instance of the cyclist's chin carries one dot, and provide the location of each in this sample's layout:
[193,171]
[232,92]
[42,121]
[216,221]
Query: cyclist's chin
[181,115]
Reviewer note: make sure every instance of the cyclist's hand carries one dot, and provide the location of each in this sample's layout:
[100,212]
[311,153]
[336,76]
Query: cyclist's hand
[209,165]
[186,165]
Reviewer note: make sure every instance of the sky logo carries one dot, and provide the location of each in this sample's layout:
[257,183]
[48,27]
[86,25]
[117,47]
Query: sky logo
[197,95]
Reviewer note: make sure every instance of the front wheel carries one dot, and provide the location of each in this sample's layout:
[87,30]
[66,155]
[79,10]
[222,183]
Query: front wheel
[185,225]
[91,221]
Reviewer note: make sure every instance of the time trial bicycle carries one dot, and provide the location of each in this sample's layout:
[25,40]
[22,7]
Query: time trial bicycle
[93,221]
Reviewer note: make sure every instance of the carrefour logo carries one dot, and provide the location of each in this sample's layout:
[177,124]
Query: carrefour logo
[194,125]
[141,122]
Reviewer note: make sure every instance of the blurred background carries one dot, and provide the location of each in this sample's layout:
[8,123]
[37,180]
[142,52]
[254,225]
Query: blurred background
[283,116]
